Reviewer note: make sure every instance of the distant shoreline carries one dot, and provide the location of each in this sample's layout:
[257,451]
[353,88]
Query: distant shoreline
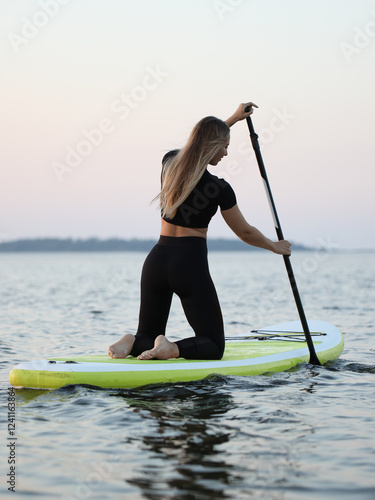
[116,245]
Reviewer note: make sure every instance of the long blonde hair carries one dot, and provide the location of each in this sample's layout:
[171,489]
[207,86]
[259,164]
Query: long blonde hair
[182,172]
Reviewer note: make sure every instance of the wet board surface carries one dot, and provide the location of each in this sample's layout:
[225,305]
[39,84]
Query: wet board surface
[270,349]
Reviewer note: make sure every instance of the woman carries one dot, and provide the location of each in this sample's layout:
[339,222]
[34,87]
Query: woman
[189,197]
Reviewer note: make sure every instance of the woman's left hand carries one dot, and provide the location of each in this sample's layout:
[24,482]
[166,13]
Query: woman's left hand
[240,113]
[245,109]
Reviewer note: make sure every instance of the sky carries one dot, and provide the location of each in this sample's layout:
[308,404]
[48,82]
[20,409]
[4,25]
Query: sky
[95,92]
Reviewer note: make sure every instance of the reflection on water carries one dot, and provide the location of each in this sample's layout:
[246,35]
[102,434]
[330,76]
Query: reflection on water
[203,441]
[183,443]
[299,435]
[226,437]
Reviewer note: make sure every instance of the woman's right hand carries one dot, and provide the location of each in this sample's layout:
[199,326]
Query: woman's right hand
[282,247]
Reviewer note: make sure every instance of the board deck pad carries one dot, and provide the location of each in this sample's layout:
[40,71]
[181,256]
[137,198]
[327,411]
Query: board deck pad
[271,349]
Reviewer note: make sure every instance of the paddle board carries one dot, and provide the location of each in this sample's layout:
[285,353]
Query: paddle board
[270,349]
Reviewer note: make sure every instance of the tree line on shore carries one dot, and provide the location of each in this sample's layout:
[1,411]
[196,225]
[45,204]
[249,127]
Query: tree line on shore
[112,245]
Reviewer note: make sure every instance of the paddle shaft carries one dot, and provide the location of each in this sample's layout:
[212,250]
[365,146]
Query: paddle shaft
[254,140]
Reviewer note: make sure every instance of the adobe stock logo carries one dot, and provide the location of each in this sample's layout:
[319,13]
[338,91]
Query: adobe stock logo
[224,7]
[121,108]
[362,38]
[31,27]
[278,122]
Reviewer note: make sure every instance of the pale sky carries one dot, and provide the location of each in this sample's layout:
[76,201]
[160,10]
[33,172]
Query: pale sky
[94,92]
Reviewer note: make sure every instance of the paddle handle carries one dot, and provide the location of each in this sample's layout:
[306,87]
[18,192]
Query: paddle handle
[254,140]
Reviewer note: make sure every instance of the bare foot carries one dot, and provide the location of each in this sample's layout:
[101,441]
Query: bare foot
[122,347]
[163,349]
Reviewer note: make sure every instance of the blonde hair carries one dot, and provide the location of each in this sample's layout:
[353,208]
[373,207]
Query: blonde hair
[182,172]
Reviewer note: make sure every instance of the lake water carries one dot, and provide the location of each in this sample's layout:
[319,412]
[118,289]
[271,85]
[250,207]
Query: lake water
[304,434]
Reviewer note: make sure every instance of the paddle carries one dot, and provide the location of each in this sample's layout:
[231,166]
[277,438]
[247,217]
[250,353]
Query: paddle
[254,140]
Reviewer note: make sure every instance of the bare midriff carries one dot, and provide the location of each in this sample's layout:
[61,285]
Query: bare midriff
[168,229]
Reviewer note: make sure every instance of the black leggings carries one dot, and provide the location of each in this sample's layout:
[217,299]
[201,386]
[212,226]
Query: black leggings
[179,265]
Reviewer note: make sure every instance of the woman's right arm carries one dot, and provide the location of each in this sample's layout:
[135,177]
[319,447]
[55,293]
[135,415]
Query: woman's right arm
[251,235]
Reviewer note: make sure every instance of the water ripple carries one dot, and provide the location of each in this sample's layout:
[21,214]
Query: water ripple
[298,435]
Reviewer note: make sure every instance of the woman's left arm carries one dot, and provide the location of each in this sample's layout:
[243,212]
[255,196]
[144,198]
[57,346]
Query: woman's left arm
[240,113]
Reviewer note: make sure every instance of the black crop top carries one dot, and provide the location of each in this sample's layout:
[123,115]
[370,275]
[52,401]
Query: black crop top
[202,203]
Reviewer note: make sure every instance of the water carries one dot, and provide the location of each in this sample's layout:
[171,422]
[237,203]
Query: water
[303,434]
